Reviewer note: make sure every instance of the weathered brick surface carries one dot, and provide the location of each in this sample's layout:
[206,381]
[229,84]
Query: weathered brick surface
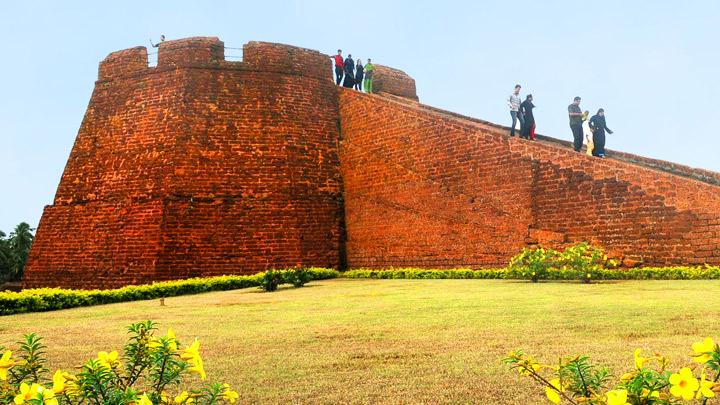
[197,166]
[200,166]
[394,81]
[424,187]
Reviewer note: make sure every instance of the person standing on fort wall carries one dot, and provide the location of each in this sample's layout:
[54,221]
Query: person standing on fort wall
[576,123]
[528,128]
[359,74]
[338,67]
[349,81]
[587,133]
[514,104]
[369,72]
[598,128]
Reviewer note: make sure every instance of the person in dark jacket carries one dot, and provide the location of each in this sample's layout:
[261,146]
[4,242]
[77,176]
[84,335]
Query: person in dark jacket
[349,81]
[598,127]
[359,75]
[528,127]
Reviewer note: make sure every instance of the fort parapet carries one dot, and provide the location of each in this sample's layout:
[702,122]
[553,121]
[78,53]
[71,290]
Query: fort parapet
[202,166]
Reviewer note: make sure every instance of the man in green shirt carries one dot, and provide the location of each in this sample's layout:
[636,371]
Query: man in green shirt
[369,72]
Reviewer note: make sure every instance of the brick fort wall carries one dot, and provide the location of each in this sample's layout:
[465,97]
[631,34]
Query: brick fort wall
[200,166]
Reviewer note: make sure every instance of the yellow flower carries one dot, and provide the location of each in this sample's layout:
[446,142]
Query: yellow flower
[6,363]
[184,398]
[144,400]
[230,395]
[639,360]
[197,367]
[58,382]
[34,391]
[705,389]
[684,384]
[172,340]
[192,351]
[108,360]
[48,397]
[192,356]
[702,350]
[170,337]
[617,397]
[553,393]
[645,393]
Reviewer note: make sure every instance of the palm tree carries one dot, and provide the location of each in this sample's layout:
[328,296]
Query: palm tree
[20,241]
[7,261]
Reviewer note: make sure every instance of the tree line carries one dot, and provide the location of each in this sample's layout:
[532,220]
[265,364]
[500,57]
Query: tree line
[14,250]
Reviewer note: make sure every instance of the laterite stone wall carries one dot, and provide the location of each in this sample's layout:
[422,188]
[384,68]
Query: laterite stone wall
[197,167]
[428,188]
[200,166]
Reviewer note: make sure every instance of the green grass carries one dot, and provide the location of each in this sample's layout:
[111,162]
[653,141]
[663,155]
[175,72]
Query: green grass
[397,341]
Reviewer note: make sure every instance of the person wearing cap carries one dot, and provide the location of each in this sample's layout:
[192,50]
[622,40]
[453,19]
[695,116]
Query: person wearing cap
[339,67]
[598,128]
[576,124]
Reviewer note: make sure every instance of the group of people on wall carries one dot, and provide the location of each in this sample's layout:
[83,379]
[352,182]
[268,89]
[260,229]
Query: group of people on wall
[353,74]
[590,132]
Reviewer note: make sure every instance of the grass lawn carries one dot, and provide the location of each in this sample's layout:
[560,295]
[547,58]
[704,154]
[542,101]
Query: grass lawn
[397,341]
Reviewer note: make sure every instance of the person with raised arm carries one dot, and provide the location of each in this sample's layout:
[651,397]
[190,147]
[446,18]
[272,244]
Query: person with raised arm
[162,39]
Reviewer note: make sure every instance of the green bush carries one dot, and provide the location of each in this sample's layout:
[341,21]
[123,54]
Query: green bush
[414,273]
[533,264]
[48,299]
[270,281]
[582,261]
[298,277]
[646,273]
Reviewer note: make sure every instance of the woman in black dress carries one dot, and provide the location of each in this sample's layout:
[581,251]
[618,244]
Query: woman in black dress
[359,74]
[349,81]
[598,127]
[526,108]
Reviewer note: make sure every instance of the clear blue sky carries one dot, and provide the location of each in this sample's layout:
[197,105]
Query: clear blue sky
[653,66]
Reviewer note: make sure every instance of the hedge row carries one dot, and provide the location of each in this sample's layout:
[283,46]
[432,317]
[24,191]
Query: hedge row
[49,299]
[643,273]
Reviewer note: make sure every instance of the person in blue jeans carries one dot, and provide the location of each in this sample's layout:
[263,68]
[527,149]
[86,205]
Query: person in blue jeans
[514,104]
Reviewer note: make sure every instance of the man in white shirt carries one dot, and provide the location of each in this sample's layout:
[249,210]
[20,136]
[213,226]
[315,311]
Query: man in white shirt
[514,104]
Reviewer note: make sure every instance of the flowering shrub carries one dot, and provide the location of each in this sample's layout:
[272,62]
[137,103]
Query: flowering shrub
[581,261]
[576,381]
[533,264]
[151,370]
[48,299]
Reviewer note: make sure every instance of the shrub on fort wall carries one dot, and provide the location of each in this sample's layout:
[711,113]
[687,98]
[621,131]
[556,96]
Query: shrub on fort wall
[150,370]
[48,299]
[575,380]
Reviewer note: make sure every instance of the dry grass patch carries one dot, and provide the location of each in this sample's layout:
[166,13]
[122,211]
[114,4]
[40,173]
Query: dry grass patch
[397,341]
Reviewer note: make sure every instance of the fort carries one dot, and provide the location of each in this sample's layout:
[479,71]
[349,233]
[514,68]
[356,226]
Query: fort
[202,166]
